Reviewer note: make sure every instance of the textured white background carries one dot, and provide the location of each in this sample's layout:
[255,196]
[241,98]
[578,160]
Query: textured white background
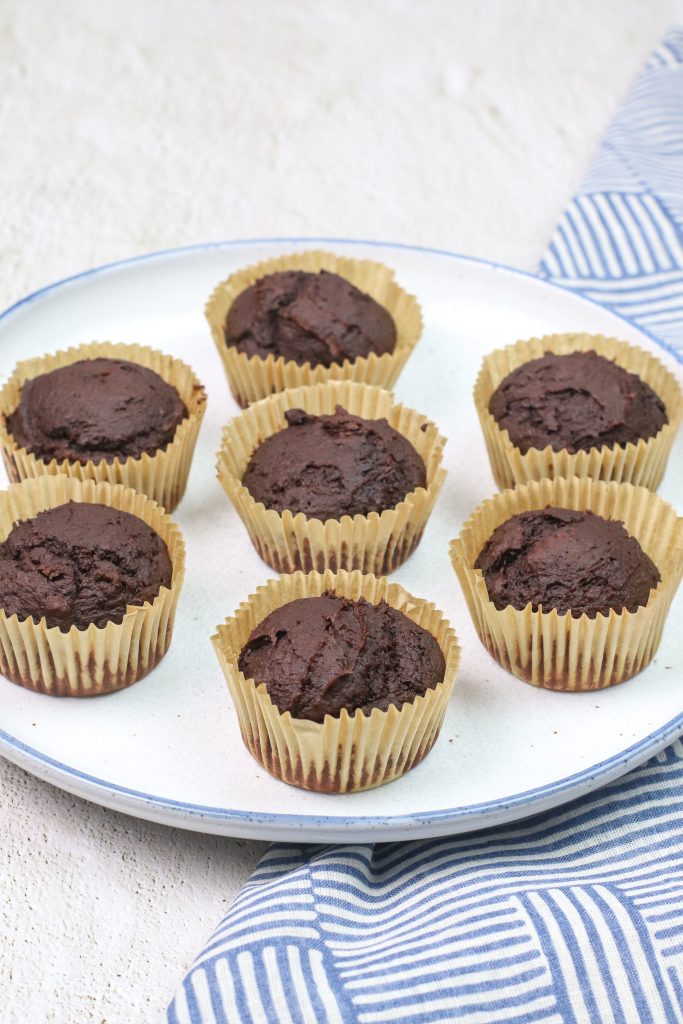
[131,126]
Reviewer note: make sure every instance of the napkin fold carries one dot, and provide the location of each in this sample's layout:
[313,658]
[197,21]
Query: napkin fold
[575,915]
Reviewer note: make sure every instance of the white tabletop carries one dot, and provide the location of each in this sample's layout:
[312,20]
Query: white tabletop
[127,127]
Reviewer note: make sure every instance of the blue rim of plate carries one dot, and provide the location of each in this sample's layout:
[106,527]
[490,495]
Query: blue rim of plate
[569,787]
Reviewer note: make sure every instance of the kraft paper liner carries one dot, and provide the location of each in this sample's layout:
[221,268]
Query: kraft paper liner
[641,463]
[377,542]
[351,752]
[161,476]
[252,378]
[99,659]
[561,652]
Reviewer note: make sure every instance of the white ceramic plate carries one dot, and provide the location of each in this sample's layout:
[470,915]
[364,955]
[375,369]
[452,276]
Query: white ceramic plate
[169,748]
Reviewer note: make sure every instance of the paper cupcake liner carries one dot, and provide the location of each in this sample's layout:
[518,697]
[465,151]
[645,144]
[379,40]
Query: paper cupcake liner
[641,463]
[161,476]
[252,378]
[561,652]
[351,752]
[377,542]
[99,659]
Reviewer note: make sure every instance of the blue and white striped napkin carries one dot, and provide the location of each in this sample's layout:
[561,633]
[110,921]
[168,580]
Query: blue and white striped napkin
[574,916]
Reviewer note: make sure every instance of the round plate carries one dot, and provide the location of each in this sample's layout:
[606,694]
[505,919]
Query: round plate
[169,748]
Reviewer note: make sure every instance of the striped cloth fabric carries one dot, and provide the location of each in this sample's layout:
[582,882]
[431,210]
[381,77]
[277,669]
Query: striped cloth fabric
[620,241]
[574,916]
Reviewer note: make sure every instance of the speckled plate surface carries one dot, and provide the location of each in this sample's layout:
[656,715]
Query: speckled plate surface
[168,749]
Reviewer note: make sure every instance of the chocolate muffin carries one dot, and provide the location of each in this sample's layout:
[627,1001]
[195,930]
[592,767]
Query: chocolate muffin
[568,560]
[318,655]
[80,563]
[304,317]
[575,402]
[96,410]
[331,466]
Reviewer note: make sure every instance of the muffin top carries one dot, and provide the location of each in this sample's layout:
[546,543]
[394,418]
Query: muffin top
[575,402]
[572,561]
[308,318]
[80,563]
[331,466]
[96,410]
[318,655]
